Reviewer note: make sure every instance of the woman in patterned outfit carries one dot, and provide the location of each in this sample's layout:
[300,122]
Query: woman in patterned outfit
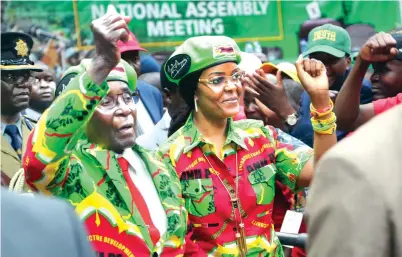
[228,168]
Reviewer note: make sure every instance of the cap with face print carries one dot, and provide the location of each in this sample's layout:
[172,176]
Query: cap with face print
[199,53]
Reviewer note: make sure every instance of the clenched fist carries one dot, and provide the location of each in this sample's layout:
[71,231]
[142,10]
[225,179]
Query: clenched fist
[107,30]
[379,48]
[313,76]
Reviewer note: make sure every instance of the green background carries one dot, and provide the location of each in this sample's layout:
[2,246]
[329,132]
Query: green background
[59,15]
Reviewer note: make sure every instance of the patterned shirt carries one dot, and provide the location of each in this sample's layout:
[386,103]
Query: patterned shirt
[263,155]
[61,161]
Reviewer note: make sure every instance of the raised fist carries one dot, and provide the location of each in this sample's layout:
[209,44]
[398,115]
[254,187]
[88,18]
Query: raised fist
[107,30]
[379,48]
[313,77]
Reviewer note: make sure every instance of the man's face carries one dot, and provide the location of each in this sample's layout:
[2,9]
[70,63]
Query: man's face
[16,89]
[386,80]
[336,67]
[113,124]
[43,87]
[133,58]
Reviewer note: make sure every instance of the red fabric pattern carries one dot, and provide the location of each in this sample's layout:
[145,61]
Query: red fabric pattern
[139,201]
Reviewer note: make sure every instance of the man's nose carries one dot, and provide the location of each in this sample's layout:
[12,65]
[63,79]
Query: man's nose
[375,77]
[123,108]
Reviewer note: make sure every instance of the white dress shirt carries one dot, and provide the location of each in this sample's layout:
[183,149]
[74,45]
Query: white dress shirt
[143,181]
[144,120]
[157,135]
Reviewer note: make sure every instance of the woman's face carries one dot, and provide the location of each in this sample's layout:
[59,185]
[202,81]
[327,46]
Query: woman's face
[219,90]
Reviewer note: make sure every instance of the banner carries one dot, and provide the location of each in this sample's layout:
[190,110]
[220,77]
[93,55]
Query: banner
[160,25]
[169,23]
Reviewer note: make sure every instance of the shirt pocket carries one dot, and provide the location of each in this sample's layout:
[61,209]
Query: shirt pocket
[199,196]
[262,181]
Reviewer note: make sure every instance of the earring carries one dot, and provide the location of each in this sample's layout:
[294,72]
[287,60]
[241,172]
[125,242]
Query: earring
[195,104]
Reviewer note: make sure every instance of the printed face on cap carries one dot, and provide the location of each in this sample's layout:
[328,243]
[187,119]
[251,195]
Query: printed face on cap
[113,124]
[198,53]
[218,91]
[16,89]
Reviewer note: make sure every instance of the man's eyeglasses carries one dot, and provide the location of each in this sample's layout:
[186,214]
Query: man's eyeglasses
[220,81]
[130,99]
[17,77]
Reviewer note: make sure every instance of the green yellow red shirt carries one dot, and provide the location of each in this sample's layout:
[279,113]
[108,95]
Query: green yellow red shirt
[264,154]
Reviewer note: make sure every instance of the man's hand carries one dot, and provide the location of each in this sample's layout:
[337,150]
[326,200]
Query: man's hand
[107,30]
[313,76]
[379,48]
[273,96]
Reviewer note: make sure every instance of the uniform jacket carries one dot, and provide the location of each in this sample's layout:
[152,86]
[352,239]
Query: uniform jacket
[263,155]
[10,162]
[62,162]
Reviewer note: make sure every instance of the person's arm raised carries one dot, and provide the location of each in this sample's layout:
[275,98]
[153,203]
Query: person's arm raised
[107,30]
[50,145]
[312,74]
[350,114]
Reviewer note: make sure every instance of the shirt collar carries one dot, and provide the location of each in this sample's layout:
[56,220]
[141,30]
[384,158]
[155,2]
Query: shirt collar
[193,138]
[18,124]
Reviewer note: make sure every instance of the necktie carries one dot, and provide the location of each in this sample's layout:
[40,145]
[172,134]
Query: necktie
[139,201]
[12,131]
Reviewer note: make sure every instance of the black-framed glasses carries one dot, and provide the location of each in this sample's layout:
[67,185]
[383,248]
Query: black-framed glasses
[128,98]
[17,77]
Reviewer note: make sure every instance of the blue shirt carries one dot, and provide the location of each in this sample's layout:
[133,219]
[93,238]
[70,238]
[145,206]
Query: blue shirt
[303,130]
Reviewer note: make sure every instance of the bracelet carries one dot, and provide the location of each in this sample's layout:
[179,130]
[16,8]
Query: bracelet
[329,131]
[327,126]
[321,112]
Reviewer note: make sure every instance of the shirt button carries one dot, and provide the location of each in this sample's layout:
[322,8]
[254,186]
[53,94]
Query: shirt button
[229,169]
[155,254]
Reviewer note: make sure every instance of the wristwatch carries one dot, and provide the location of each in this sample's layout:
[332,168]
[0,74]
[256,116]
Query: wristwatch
[291,119]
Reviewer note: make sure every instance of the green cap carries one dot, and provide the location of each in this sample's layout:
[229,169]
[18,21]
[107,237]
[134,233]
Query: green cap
[198,53]
[329,39]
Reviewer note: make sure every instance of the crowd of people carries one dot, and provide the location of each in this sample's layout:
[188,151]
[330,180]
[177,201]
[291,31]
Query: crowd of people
[208,154]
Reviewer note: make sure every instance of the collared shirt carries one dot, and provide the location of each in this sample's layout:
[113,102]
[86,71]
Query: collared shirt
[32,114]
[3,128]
[263,155]
[144,121]
[157,135]
[143,181]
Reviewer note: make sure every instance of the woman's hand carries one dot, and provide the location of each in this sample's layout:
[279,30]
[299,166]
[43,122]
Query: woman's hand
[313,76]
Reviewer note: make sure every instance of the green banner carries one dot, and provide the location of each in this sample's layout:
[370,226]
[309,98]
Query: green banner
[168,23]
[161,25]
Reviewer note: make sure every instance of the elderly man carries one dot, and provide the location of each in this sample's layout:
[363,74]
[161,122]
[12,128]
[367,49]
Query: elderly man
[83,149]
[16,79]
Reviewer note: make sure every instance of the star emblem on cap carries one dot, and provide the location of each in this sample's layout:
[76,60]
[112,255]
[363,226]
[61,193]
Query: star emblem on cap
[22,48]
